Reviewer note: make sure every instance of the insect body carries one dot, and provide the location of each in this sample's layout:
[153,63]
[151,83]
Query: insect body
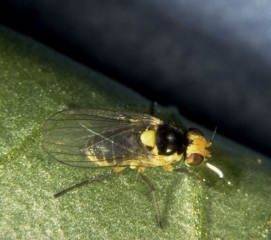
[90,138]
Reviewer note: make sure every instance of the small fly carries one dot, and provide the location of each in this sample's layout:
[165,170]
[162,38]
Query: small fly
[91,138]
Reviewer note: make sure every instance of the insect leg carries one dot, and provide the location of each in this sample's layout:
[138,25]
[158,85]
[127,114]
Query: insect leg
[170,168]
[95,178]
[152,188]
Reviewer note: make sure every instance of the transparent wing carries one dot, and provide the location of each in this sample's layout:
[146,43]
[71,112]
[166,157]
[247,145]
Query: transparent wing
[95,137]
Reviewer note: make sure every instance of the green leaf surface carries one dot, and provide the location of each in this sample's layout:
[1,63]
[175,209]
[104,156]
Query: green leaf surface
[36,82]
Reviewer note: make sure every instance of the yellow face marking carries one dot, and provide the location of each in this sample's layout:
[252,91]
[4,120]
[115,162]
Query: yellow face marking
[196,151]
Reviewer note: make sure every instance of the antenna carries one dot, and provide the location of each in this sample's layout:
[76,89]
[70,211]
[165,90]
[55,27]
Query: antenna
[213,135]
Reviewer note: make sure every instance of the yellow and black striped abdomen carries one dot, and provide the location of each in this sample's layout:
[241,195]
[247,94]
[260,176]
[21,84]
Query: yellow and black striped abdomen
[117,147]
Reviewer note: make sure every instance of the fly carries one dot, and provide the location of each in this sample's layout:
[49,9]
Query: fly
[91,138]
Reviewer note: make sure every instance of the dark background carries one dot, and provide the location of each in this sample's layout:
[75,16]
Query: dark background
[211,58]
